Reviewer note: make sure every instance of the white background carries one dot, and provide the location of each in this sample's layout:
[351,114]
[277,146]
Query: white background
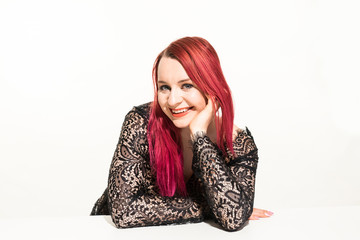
[71,70]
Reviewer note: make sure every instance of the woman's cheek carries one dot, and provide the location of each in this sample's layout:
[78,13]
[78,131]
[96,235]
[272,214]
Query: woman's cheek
[197,99]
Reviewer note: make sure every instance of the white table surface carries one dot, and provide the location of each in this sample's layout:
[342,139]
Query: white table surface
[298,223]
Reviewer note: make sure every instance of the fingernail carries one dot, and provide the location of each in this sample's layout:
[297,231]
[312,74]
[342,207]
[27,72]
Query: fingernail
[268,213]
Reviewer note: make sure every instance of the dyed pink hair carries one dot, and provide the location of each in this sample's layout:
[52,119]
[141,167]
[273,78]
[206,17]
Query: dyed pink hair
[202,65]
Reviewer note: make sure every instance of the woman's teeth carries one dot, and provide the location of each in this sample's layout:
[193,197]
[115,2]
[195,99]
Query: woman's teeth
[180,110]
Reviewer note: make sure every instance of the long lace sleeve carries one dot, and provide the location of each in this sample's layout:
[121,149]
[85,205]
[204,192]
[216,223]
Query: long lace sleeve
[133,198]
[229,184]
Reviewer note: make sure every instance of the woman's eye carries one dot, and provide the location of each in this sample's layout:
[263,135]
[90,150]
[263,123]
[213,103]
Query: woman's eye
[187,85]
[164,87]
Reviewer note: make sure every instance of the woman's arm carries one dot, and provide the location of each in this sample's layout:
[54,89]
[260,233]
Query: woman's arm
[133,201]
[229,187]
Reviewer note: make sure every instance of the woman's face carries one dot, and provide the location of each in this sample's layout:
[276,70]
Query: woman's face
[178,96]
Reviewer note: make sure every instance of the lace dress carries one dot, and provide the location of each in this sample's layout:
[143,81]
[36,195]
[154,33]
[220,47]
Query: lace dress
[220,188]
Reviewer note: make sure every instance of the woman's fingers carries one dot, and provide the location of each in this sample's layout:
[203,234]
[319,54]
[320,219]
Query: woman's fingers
[252,217]
[260,213]
[210,101]
[202,120]
[216,102]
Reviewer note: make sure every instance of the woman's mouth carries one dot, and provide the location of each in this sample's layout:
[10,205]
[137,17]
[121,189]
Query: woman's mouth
[180,112]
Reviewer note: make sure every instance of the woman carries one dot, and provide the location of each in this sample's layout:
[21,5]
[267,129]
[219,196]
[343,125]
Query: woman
[181,158]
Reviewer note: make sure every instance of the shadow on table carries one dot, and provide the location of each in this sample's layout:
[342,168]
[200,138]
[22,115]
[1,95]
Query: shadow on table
[212,223]
[109,220]
[216,225]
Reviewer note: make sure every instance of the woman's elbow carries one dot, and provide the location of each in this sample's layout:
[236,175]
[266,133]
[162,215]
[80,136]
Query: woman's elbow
[117,214]
[120,222]
[117,220]
[126,218]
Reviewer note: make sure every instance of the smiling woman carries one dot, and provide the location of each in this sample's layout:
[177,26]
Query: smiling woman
[178,98]
[181,158]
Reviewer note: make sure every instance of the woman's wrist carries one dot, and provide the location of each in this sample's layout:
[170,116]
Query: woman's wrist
[194,131]
[197,134]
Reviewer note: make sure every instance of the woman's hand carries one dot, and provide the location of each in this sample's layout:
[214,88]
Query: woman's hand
[202,121]
[260,213]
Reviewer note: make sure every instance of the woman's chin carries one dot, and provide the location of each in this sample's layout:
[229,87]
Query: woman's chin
[180,124]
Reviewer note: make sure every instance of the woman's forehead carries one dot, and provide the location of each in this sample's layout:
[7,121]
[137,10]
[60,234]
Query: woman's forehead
[171,69]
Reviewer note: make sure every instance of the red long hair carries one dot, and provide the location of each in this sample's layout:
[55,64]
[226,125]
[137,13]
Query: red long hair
[202,65]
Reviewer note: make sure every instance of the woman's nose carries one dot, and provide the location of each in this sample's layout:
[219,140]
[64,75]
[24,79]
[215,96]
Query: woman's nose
[175,98]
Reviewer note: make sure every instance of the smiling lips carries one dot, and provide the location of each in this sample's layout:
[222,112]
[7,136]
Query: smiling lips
[180,112]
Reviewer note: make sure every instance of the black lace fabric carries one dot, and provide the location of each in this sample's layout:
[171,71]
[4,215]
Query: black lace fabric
[220,188]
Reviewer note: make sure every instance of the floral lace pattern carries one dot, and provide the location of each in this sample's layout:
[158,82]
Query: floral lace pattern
[220,188]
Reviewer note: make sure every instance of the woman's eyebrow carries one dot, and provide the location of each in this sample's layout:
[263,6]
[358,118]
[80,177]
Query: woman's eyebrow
[180,81]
